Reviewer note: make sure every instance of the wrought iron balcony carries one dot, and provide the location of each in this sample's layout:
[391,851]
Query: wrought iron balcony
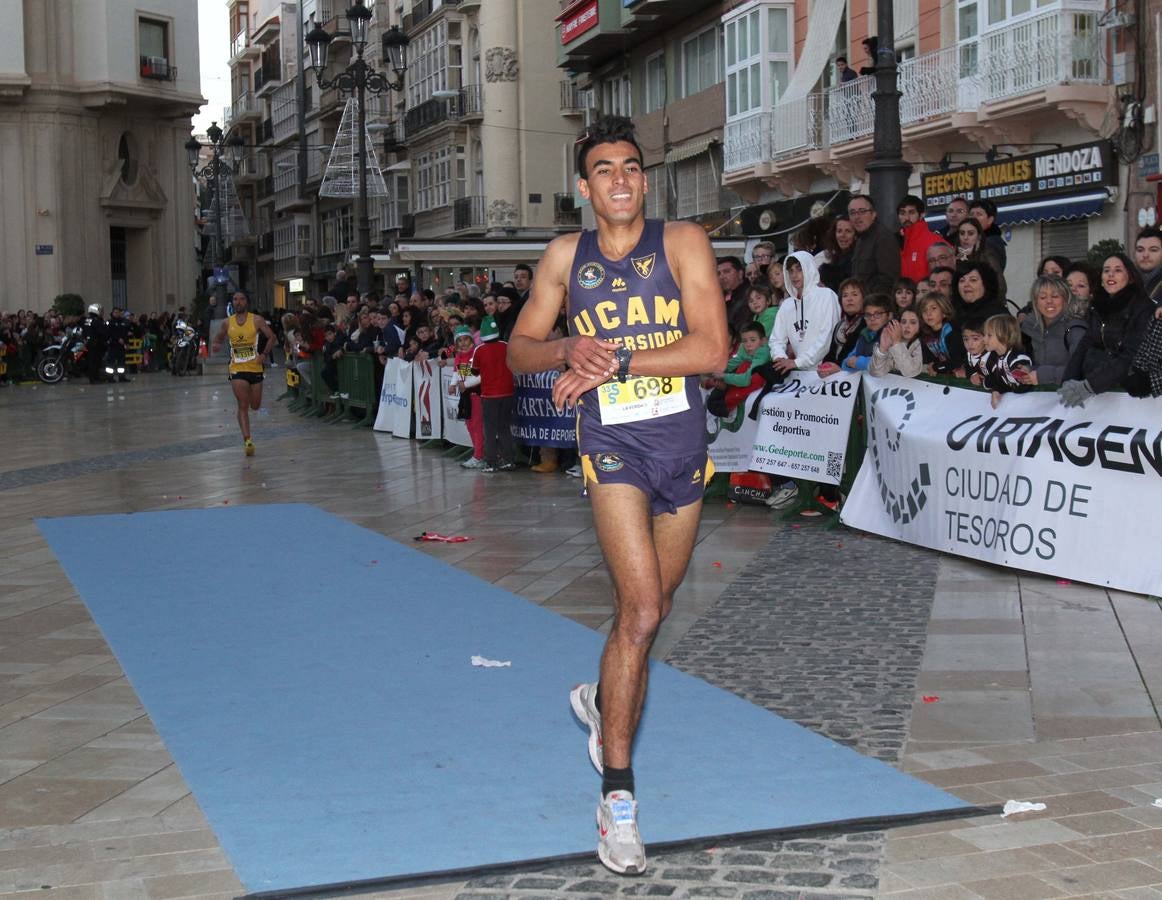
[565,210]
[422,10]
[158,68]
[468,212]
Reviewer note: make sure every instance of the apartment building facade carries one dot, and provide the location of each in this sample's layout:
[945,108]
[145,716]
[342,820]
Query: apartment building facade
[473,151]
[662,62]
[96,100]
[1011,100]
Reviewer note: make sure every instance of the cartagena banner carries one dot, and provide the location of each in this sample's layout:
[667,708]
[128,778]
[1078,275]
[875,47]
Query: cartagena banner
[1031,484]
[538,424]
[803,427]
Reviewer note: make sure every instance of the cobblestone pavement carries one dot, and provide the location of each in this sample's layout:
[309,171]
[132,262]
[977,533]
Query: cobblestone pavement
[824,628]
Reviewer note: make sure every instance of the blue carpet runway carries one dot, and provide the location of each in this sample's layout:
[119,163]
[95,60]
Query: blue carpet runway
[318,697]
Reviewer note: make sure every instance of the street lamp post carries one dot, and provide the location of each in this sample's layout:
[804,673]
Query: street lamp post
[226,153]
[359,78]
[888,171]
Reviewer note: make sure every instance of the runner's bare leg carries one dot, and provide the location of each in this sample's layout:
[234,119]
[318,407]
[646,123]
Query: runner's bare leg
[643,587]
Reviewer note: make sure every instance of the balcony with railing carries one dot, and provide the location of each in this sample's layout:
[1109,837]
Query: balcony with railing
[242,47]
[1040,66]
[571,98]
[467,212]
[471,102]
[157,68]
[266,79]
[565,210]
[433,112]
[246,106]
[248,169]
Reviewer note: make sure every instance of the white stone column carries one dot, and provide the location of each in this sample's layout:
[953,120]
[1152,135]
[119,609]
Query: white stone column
[500,138]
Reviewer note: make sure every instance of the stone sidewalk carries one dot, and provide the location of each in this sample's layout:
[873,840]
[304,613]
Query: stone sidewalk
[990,684]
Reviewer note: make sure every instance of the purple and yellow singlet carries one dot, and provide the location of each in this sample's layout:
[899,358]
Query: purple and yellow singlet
[635,302]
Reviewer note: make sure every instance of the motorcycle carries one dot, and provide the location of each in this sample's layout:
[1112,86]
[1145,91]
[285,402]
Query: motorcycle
[65,355]
[184,354]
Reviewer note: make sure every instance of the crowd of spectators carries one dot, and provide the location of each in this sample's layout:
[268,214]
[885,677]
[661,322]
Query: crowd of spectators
[24,334]
[859,295]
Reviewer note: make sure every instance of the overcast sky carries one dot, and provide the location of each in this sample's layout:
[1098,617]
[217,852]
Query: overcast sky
[214,50]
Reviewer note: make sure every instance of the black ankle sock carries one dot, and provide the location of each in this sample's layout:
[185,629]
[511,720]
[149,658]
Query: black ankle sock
[616,780]
[597,697]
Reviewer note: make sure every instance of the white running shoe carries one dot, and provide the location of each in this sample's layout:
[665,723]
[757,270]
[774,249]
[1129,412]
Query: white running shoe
[472,463]
[784,496]
[619,846]
[574,470]
[583,699]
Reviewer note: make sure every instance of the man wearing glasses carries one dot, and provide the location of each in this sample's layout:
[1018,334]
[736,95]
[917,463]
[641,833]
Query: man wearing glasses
[941,256]
[876,258]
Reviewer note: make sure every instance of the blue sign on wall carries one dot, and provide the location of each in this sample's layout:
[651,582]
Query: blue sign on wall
[44,249]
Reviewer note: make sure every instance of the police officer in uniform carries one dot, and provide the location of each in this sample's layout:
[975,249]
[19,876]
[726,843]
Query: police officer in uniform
[95,332]
[118,332]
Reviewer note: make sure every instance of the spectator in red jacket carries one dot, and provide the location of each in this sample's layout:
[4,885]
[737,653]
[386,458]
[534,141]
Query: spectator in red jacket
[498,397]
[918,237]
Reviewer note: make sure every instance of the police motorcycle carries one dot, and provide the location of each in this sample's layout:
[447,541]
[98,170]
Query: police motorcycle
[184,353]
[64,355]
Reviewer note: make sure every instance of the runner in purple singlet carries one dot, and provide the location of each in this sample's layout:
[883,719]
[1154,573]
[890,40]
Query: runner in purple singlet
[645,318]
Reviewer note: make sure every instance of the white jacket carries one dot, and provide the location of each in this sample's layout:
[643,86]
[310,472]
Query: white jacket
[804,325]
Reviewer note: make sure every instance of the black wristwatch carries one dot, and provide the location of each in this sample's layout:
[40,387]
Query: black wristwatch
[623,356]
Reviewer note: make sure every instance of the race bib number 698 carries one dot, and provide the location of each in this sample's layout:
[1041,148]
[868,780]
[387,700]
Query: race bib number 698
[642,397]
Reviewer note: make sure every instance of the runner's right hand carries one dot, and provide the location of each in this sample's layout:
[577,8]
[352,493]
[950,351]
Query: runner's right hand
[590,357]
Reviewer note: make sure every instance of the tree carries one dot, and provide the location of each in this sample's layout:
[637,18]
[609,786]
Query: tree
[69,305]
[1103,250]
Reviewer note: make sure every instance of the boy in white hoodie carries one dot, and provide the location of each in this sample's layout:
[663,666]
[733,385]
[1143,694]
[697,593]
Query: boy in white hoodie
[806,319]
[800,338]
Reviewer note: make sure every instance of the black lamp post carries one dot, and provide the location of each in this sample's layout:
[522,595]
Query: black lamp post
[226,154]
[359,78]
[888,171]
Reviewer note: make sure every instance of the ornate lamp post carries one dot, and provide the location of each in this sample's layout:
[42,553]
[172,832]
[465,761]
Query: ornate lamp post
[359,79]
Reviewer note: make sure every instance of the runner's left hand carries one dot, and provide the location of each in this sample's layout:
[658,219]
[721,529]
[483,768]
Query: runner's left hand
[570,386]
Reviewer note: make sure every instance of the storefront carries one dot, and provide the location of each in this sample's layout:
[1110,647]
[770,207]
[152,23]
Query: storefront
[1057,201]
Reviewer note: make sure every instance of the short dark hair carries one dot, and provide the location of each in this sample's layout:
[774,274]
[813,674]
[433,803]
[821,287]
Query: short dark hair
[523,267]
[956,200]
[913,201]
[1150,231]
[880,301]
[732,261]
[867,197]
[990,208]
[947,269]
[756,327]
[606,130]
[841,59]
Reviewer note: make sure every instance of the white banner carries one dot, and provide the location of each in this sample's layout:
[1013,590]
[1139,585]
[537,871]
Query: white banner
[426,400]
[1073,493]
[455,430]
[395,399]
[731,439]
[803,427]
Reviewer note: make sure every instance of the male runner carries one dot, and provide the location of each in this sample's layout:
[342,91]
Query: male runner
[646,317]
[242,329]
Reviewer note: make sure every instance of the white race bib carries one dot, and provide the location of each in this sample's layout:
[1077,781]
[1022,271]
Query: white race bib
[642,397]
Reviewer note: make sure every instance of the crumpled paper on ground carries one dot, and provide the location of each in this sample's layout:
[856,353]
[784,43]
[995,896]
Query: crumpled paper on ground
[1020,806]
[490,663]
[1157,803]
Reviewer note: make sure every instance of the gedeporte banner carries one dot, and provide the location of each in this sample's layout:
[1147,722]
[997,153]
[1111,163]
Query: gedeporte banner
[803,426]
[1073,493]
